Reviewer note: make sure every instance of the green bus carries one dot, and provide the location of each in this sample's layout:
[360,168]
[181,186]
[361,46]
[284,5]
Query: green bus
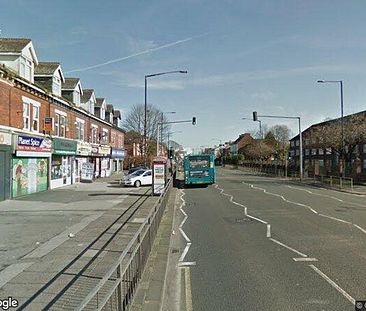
[199,169]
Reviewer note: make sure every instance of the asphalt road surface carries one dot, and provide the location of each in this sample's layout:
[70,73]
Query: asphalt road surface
[263,243]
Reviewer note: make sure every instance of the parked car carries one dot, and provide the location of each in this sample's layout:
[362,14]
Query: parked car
[134,169]
[139,178]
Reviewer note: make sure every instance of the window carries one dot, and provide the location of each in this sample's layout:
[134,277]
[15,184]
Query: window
[56,86]
[104,138]
[321,151]
[79,129]
[307,152]
[328,151]
[298,143]
[313,151]
[93,134]
[62,126]
[57,124]
[28,70]
[292,143]
[26,116]
[77,97]
[35,122]
[297,152]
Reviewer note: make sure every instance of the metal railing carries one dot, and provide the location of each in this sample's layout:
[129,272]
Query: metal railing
[116,289]
[335,181]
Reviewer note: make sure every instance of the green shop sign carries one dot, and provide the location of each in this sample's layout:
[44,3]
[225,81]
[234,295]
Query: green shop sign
[63,146]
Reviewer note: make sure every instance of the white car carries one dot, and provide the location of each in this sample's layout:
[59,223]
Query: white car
[139,178]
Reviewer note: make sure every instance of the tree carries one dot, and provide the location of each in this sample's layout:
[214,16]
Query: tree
[329,135]
[135,122]
[281,134]
[257,150]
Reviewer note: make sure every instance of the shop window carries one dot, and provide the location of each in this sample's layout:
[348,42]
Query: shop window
[56,170]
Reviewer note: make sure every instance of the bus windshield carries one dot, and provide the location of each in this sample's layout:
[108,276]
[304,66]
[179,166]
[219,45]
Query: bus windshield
[199,162]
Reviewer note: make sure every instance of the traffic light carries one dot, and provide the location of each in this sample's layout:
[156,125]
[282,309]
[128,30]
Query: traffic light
[171,153]
[255,117]
[194,121]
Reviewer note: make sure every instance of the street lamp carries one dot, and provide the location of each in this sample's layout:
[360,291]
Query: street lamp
[260,126]
[342,123]
[145,118]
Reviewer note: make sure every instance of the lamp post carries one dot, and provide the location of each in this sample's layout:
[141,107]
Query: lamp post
[145,118]
[342,119]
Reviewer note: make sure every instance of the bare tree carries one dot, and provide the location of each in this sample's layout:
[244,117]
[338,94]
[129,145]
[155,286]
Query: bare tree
[281,134]
[329,135]
[135,122]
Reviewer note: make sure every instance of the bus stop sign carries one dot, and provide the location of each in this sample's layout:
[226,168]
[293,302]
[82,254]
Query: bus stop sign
[159,175]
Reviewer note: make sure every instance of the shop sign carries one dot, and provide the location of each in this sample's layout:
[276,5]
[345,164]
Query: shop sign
[5,139]
[63,146]
[105,150]
[34,144]
[95,150]
[48,124]
[118,153]
[83,149]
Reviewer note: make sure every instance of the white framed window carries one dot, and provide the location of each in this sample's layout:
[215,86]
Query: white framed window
[77,97]
[35,119]
[328,151]
[26,116]
[57,124]
[56,86]
[104,137]
[79,129]
[321,151]
[62,126]
[94,134]
[313,151]
[28,70]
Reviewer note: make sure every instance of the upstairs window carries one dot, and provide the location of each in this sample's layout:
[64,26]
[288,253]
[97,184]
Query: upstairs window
[26,116]
[35,121]
[60,124]
[56,86]
[76,97]
[79,129]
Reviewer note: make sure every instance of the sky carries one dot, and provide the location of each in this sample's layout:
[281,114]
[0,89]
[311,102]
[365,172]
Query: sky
[241,56]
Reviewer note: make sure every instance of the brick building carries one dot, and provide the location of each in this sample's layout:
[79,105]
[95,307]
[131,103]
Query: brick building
[49,134]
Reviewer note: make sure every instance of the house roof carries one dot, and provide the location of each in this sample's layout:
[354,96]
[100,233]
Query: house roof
[46,68]
[117,114]
[110,108]
[87,94]
[15,45]
[100,102]
[70,83]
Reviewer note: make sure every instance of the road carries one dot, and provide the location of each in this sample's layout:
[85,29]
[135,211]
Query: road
[263,243]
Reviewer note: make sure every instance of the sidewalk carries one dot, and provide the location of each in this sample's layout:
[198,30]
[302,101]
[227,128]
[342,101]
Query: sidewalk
[41,233]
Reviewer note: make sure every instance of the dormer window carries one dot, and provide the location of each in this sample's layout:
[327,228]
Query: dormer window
[77,97]
[56,85]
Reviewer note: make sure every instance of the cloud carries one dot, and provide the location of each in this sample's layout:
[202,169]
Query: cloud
[149,50]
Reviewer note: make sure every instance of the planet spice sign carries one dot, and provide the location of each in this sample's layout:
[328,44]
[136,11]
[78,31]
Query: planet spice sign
[35,144]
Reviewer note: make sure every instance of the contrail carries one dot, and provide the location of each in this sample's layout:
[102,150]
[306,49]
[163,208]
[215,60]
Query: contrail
[136,54]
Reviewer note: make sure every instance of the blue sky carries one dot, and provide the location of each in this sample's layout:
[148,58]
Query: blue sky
[240,55]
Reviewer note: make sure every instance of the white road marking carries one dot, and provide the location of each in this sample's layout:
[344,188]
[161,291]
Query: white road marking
[360,228]
[257,219]
[186,263]
[187,278]
[336,219]
[268,230]
[335,285]
[186,249]
[305,259]
[184,235]
[288,247]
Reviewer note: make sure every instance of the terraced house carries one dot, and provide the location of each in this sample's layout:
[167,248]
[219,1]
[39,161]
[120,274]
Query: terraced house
[52,131]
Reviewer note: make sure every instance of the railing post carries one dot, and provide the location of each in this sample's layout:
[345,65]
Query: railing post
[119,288]
[331,181]
[340,182]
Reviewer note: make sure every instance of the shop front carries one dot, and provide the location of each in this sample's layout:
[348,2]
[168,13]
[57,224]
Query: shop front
[5,162]
[63,162]
[30,165]
[101,159]
[83,155]
[117,156]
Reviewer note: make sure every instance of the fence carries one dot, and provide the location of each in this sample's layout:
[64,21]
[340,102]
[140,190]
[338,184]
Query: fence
[335,181]
[277,169]
[116,289]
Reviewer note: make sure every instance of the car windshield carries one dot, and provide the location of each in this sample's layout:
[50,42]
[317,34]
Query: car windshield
[137,173]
